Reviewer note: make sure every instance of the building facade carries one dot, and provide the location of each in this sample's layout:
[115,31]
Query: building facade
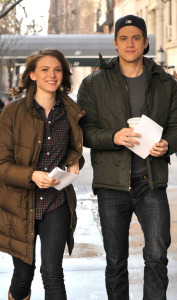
[68,16]
[9,25]
[80,17]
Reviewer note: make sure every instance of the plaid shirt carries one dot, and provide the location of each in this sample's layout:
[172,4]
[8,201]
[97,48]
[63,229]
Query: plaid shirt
[55,143]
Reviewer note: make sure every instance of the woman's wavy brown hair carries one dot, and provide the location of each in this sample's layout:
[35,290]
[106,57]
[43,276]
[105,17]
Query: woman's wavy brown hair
[29,85]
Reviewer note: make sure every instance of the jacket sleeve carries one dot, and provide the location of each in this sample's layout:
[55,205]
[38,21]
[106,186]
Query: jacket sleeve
[10,172]
[170,131]
[95,136]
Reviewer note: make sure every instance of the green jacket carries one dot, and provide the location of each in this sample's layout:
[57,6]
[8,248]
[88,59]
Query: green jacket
[21,132]
[104,96]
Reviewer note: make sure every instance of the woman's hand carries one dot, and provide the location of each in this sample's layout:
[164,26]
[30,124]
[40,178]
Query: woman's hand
[42,180]
[74,168]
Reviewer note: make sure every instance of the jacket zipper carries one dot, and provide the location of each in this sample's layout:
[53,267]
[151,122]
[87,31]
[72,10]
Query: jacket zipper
[128,105]
[129,188]
[127,97]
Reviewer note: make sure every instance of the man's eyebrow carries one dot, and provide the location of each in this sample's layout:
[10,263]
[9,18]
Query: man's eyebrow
[132,35]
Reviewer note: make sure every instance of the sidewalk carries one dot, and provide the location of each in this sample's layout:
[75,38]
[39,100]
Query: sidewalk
[84,270]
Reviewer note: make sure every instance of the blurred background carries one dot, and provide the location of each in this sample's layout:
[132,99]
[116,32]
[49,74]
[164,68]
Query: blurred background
[80,29]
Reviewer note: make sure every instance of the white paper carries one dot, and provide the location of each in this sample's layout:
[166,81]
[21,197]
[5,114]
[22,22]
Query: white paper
[151,133]
[65,177]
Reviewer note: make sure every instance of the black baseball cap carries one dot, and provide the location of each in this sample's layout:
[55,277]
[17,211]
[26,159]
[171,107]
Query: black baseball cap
[131,20]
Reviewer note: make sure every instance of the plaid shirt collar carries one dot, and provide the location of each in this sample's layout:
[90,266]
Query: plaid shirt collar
[38,106]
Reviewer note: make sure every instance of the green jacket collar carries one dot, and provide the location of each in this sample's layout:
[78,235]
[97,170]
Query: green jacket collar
[148,63]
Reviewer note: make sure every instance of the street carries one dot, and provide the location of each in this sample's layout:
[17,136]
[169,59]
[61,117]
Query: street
[84,270]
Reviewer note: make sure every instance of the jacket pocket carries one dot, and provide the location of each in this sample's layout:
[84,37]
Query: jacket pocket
[23,155]
[95,156]
[11,200]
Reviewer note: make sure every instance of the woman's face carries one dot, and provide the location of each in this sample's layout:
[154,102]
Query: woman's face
[48,74]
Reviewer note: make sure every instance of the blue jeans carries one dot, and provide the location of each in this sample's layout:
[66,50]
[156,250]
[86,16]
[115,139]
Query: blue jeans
[53,231]
[152,210]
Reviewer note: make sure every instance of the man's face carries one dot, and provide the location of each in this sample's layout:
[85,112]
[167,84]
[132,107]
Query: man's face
[130,44]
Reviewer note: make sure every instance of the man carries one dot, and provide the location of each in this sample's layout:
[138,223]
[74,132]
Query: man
[128,86]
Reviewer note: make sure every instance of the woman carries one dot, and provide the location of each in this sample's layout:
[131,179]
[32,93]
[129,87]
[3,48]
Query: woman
[39,132]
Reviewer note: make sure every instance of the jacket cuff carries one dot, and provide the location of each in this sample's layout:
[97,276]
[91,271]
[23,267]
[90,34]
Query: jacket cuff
[115,145]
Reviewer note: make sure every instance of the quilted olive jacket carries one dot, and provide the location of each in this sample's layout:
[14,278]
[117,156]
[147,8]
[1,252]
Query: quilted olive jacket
[105,98]
[21,135]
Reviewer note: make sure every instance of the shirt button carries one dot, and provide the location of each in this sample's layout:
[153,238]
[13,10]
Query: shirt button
[49,122]
[39,142]
[45,169]
[48,153]
[79,145]
[79,115]
[41,198]
[48,137]
[31,210]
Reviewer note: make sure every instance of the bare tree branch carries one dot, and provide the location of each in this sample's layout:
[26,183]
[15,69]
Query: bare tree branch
[10,7]
[24,10]
[5,5]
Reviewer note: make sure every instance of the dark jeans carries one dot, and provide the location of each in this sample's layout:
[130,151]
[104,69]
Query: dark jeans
[53,230]
[152,210]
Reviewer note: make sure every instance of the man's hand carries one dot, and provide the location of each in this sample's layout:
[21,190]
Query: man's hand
[159,149]
[42,180]
[125,137]
[74,168]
